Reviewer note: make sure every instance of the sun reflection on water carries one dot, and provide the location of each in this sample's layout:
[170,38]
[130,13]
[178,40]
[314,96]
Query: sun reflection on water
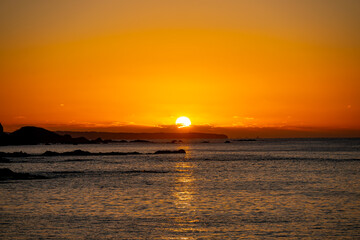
[184,185]
[185,197]
[184,189]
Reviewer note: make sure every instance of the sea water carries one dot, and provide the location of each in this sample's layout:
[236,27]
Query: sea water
[264,189]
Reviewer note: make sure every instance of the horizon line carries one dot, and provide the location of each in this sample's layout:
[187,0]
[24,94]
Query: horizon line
[230,131]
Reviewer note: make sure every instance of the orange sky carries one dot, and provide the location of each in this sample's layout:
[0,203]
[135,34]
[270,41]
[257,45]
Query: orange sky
[227,63]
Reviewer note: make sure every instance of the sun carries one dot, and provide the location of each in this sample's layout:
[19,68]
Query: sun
[183,122]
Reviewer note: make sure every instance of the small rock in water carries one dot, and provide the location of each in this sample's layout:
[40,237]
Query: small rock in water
[169,151]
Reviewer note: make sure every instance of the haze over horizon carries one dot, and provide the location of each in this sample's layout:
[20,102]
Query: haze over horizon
[231,132]
[242,68]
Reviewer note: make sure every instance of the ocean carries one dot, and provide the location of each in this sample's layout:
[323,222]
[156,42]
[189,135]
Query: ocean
[264,189]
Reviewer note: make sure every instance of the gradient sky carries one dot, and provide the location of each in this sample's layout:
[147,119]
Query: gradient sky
[225,63]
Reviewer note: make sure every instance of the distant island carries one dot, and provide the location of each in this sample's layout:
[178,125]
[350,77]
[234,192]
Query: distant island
[34,135]
[132,136]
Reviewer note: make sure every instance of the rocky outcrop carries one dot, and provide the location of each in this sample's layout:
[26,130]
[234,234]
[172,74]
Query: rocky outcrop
[79,152]
[35,135]
[4,160]
[86,153]
[4,138]
[170,152]
[7,174]
[140,141]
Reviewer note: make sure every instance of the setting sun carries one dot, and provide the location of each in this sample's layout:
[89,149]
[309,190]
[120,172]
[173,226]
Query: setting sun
[241,68]
[180,119]
[183,122]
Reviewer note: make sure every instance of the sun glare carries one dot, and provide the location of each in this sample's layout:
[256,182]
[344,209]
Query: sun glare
[183,122]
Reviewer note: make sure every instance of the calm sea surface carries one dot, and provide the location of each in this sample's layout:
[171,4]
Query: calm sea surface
[290,189]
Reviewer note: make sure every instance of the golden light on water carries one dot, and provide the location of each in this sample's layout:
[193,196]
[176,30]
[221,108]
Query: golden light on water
[185,197]
[184,182]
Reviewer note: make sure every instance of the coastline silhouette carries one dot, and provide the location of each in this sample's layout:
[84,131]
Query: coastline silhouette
[30,135]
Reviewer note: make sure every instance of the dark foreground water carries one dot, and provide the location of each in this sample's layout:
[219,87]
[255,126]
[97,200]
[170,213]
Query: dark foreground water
[293,189]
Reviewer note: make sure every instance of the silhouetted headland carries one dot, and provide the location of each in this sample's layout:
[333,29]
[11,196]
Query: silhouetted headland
[34,135]
[134,136]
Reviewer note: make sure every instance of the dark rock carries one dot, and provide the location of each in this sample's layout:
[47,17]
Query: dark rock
[4,138]
[76,153]
[245,140]
[50,153]
[140,141]
[79,140]
[86,153]
[35,135]
[14,154]
[227,142]
[4,160]
[79,152]
[98,140]
[72,153]
[170,152]
[7,174]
